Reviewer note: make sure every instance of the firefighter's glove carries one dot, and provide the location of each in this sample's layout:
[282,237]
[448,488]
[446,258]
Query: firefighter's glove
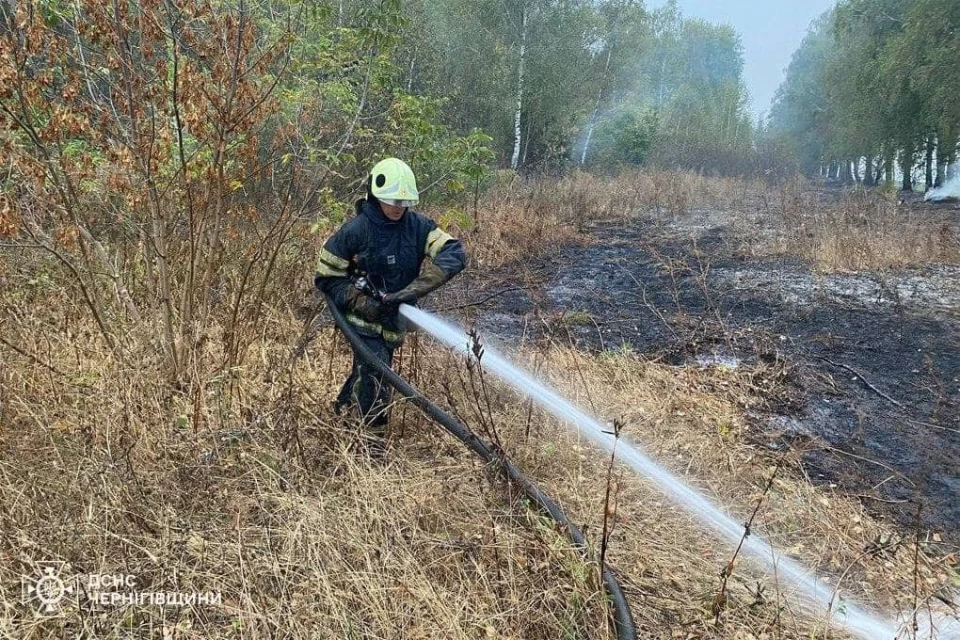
[366,307]
[430,278]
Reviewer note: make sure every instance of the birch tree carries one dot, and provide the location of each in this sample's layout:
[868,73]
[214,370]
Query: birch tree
[879,93]
[518,113]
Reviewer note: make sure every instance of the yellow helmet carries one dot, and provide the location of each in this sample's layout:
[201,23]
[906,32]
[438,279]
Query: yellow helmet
[392,181]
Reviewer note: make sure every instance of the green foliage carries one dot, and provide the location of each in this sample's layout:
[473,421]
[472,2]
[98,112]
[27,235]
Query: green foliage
[680,100]
[348,95]
[798,114]
[590,68]
[443,162]
[625,137]
[874,79]
[458,218]
[54,12]
[477,155]
[333,212]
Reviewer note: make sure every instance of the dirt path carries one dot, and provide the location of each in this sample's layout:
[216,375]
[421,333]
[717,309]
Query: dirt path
[872,363]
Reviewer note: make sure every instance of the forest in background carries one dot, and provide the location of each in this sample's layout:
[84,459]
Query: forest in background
[322,89]
[872,93]
[136,134]
[455,87]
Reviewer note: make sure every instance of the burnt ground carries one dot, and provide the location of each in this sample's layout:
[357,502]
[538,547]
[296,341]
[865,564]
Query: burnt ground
[871,362]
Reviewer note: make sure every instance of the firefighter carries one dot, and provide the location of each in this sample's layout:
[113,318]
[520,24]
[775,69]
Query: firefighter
[401,253]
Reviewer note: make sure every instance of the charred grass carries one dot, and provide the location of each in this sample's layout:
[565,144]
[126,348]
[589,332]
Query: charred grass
[831,229]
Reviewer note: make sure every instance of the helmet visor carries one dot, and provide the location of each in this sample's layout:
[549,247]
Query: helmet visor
[399,203]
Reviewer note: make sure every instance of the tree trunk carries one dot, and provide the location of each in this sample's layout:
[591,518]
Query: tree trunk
[946,156]
[906,168]
[596,108]
[844,172]
[413,64]
[941,163]
[856,171]
[868,172]
[888,169]
[526,143]
[515,160]
[660,89]
[929,163]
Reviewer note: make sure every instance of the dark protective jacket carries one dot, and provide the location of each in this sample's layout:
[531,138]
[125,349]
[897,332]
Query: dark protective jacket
[389,253]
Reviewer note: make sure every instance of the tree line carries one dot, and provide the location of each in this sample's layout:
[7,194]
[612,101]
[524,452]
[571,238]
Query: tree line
[583,82]
[145,144]
[166,155]
[329,86]
[872,93]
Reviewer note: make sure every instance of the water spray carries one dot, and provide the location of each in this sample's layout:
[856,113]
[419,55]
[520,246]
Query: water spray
[821,597]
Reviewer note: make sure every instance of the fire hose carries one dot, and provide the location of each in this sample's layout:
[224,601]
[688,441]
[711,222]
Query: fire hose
[620,609]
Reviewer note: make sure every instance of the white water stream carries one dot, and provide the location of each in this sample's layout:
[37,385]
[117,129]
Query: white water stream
[807,590]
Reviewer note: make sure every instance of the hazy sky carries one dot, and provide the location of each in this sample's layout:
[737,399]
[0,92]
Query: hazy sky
[770,31]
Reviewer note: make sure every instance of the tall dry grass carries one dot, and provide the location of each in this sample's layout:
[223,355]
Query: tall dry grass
[233,476]
[242,482]
[523,217]
[855,229]
[831,229]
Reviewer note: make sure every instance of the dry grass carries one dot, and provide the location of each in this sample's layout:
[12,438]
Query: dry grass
[246,485]
[520,218]
[855,230]
[833,230]
[693,420]
[237,479]
[304,537]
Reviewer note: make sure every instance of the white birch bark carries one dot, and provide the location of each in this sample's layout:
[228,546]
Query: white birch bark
[413,63]
[515,160]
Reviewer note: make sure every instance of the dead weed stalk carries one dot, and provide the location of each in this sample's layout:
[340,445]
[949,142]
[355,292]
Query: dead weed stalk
[720,601]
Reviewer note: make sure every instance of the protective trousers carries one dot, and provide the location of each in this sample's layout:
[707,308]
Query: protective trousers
[366,388]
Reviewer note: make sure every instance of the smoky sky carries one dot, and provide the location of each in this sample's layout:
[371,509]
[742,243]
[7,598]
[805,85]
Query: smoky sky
[770,31]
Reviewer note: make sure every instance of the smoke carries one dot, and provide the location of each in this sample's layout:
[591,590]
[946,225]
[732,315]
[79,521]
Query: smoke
[949,190]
